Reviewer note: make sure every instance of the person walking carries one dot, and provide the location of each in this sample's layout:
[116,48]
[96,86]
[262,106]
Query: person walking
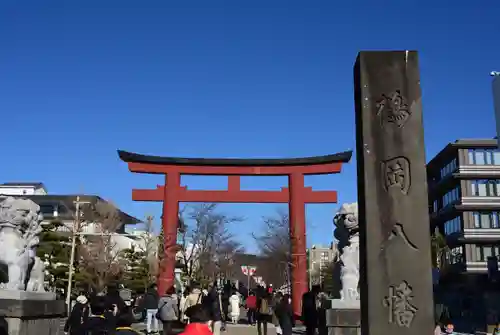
[151,305]
[275,301]
[79,314]
[194,297]
[168,311]
[101,320]
[235,305]
[213,304]
[310,310]
[182,305]
[251,305]
[284,313]
[264,311]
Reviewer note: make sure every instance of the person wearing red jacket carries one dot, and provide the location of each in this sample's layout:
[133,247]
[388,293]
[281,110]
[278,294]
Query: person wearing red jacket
[199,319]
[251,305]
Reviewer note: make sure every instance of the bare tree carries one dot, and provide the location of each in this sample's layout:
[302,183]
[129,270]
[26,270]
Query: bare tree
[274,239]
[274,245]
[206,242]
[100,260]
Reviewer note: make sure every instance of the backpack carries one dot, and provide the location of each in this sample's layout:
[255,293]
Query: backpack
[265,309]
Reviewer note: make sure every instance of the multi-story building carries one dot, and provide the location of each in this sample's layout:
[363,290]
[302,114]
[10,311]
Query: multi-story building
[464,205]
[464,198]
[320,257]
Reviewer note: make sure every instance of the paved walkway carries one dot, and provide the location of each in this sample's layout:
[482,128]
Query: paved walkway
[240,329]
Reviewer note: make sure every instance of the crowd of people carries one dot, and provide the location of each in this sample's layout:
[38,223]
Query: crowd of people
[200,311]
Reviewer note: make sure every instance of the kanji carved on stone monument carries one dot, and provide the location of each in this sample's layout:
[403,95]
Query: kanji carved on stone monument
[396,172]
[398,231]
[393,109]
[398,301]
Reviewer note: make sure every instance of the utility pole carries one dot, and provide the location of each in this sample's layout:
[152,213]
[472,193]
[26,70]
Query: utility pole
[75,232]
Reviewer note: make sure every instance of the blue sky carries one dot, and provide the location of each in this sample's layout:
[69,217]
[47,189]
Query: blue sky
[80,79]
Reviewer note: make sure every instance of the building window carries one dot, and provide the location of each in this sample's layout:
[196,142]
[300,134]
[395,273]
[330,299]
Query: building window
[484,157]
[485,219]
[451,196]
[453,226]
[485,251]
[485,187]
[449,168]
[435,206]
[455,255]
[47,209]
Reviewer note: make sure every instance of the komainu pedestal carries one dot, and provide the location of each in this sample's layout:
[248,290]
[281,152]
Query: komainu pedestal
[343,321]
[30,314]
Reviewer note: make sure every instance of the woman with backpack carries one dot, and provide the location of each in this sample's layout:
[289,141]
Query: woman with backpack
[168,311]
[264,311]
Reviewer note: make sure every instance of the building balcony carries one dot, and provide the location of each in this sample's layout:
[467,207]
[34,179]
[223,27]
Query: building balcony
[477,171]
[477,267]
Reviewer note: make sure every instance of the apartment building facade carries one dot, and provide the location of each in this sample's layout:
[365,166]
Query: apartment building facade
[320,257]
[464,201]
[464,205]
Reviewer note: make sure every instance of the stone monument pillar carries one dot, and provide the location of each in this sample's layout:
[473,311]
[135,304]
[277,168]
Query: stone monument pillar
[395,253]
[25,307]
[344,315]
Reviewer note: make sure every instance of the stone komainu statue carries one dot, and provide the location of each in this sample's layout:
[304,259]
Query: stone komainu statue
[347,232]
[20,227]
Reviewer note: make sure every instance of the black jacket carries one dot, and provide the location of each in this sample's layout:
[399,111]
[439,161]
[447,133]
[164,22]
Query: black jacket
[113,298]
[78,316]
[284,313]
[125,331]
[309,310]
[212,304]
[151,299]
[98,325]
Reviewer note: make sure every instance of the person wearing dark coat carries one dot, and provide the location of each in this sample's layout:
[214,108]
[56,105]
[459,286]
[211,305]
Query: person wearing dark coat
[113,299]
[284,313]
[78,316]
[124,325]
[150,304]
[213,305]
[264,311]
[100,321]
[310,310]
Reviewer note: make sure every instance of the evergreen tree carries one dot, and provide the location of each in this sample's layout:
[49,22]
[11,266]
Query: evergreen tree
[136,275]
[161,249]
[54,251]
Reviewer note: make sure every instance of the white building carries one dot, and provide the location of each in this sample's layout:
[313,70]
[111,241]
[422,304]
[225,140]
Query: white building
[63,209]
[20,189]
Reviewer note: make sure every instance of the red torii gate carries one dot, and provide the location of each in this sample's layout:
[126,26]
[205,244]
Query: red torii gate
[296,195]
